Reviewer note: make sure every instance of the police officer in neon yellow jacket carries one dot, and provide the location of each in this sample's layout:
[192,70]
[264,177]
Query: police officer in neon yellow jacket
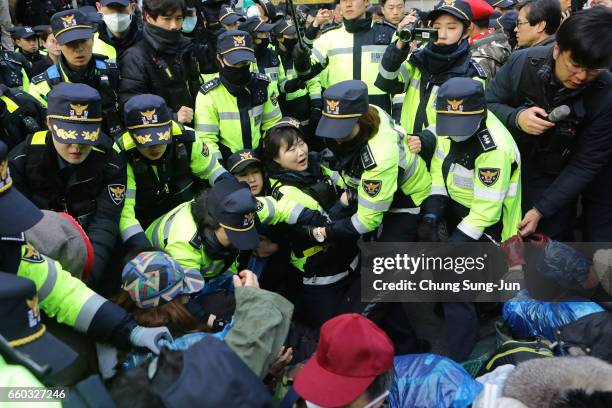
[475,169]
[167,164]
[476,188]
[208,233]
[352,50]
[61,295]
[421,73]
[387,182]
[234,109]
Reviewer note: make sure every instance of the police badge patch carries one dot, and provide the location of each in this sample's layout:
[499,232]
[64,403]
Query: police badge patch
[117,193]
[488,176]
[371,187]
[205,151]
[32,255]
[260,206]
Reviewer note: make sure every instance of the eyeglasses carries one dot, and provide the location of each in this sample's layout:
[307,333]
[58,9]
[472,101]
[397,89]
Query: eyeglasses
[575,68]
[520,23]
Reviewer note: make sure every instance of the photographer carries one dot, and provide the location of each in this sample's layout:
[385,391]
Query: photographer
[421,73]
[572,156]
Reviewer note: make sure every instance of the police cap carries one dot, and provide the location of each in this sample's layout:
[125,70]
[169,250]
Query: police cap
[71,25]
[255,25]
[236,47]
[75,114]
[232,205]
[460,107]
[344,103]
[17,213]
[24,32]
[20,324]
[456,8]
[239,161]
[148,120]
[228,15]
[284,27]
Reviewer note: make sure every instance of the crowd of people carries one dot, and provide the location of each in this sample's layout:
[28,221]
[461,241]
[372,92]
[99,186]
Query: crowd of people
[185,187]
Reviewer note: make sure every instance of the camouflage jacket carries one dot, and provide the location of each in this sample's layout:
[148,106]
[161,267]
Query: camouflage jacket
[491,52]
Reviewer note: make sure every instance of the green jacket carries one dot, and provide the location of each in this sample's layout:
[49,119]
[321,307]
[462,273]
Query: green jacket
[177,233]
[489,184]
[219,118]
[202,166]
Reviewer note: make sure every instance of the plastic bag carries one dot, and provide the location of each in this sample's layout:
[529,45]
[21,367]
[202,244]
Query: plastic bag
[528,317]
[429,380]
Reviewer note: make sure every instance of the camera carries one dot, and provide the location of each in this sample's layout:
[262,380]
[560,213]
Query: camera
[412,32]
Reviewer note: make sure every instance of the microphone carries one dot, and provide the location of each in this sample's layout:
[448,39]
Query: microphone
[559,113]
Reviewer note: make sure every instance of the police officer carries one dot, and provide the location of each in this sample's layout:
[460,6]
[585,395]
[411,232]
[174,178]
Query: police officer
[571,156]
[77,64]
[268,62]
[20,115]
[475,170]
[166,165]
[15,70]
[118,31]
[351,51]
[476,188]
[72,168]
[229,18]
[60,295]
[235,108]
[26,41]
[298,98]
[420,74]
[387,181]
[208,233]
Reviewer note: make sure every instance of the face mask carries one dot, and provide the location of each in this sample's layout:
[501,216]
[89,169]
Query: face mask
[290,43]
[117,22]
[213,247]
[459,138]
[189,23]
[263,44]
[236,76]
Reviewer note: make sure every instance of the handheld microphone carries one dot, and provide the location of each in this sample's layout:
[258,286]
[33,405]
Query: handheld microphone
[559,113]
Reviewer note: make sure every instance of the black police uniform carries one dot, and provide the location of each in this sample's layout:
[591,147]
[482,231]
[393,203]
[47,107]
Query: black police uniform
[20,115]
[36,59]
[93,191]
[11,66]
[573,158]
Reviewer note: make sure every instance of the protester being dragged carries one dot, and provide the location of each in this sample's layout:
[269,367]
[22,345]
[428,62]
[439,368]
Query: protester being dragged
[158,291]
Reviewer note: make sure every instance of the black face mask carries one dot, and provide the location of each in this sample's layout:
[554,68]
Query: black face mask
[346,148]
[290,43]
[444,49]
[236,76]
[166,40]
[214,249]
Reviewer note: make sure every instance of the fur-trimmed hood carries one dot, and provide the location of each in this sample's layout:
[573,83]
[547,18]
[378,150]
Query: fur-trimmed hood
[561,382]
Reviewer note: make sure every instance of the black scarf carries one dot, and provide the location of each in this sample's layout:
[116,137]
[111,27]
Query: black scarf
[358,24]
[298,178]
[162,40]
[437,60]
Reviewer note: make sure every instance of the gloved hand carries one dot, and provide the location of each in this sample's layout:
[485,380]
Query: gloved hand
[538,240]
[294,84]
[428,229]
[514,249]
[316,111]
[148,337]
[107,360]
[301,58]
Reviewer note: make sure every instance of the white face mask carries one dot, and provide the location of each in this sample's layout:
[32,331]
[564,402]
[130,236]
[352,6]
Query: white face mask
[189,23]
[459,138]
[117,22]
[369,405]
